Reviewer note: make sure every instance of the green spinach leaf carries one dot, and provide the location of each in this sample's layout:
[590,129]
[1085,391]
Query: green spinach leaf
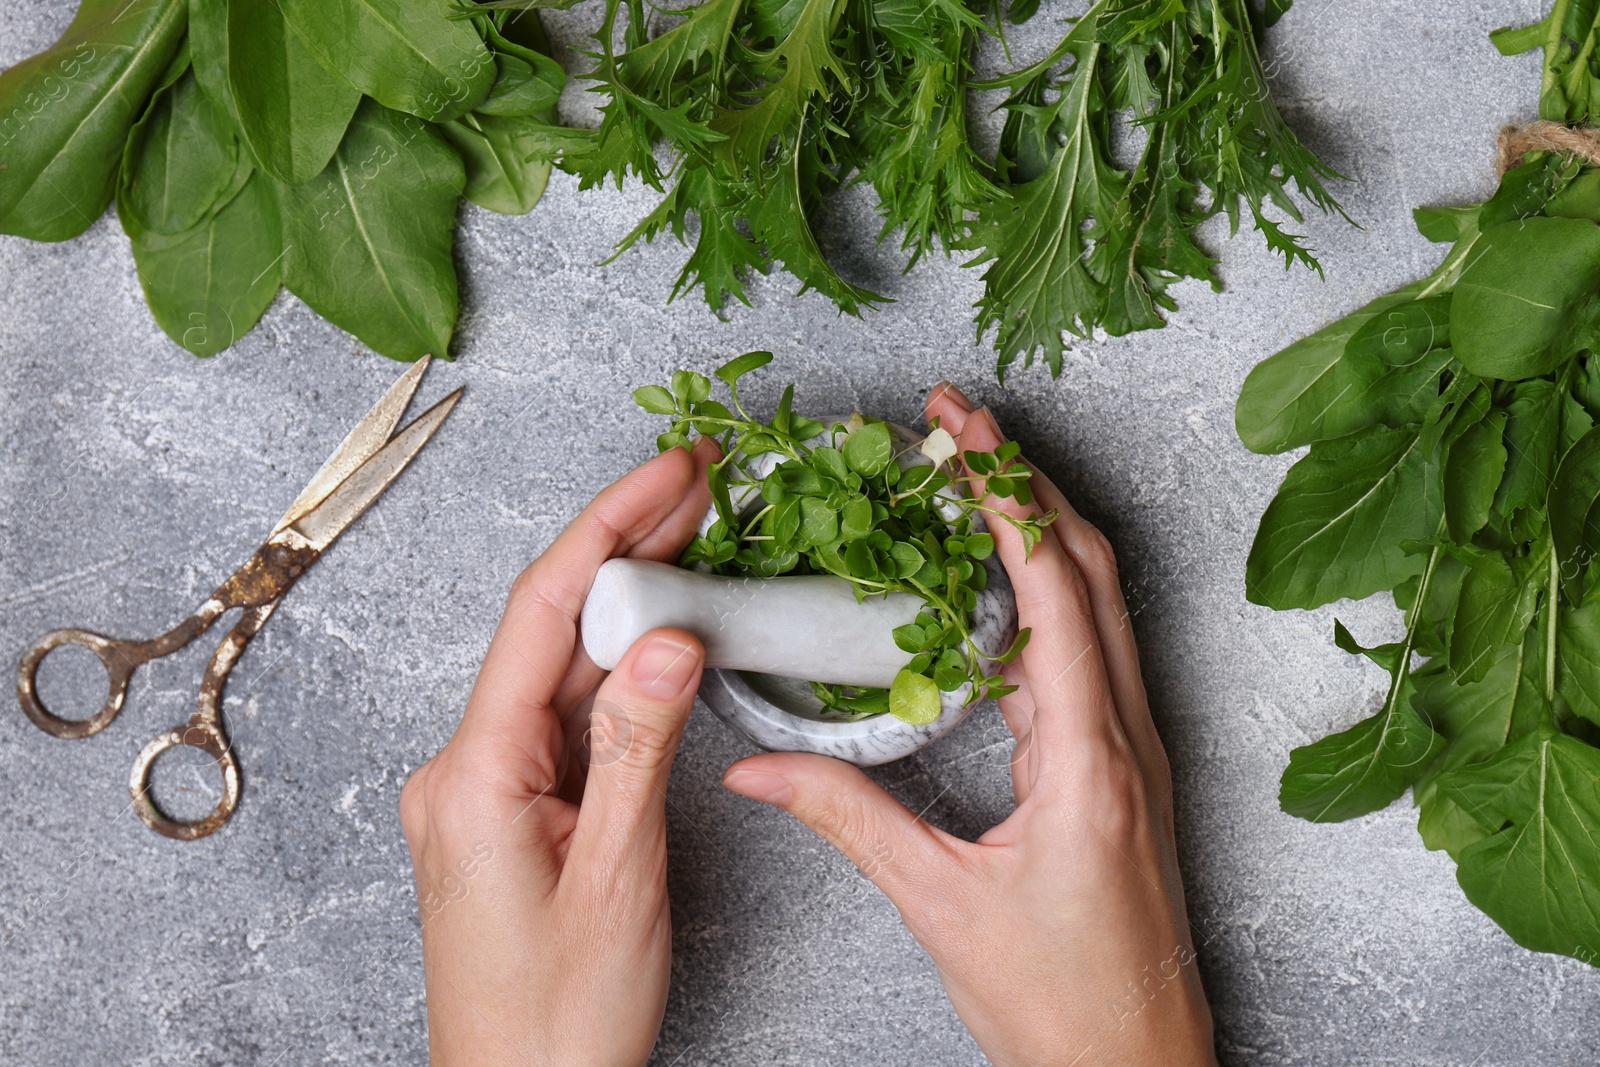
[409,55]
[1536,873]
[207,286]
[65,113]
[367,242]
[291,111]
[1510,322]
[1337,526]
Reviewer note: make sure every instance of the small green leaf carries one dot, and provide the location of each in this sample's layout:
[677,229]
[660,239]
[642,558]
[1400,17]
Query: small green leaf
[1311,392]
[950,670]
[291,111]
[668,441]
[828,460]
[689,387]
[1573,495]
[980,545]
[782,523]
[504,171]
[868,450]
[855,518]
[1403,334]
[408,55]
[1445,224]
[207,286]
[1019,643]
[908,638]
[181,162]
[1495,606]
[1578,665]
[1536,873]
[914,698]
[1532,429]
[739,366]
[819,524]
[654,399]
[908,560]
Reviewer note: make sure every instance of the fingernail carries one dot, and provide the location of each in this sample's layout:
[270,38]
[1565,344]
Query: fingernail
[945,389]
[759,785]
[664,667]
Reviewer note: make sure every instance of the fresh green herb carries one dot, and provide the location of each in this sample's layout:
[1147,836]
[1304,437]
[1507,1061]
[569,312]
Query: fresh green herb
[769,105]
[1454,461]
[796,497]
[322,145]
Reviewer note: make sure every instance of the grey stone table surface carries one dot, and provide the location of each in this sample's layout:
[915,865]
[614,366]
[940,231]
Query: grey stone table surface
[135,477]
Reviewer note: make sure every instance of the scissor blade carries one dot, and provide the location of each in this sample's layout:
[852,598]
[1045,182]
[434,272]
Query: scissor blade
[359,445]
[342,506]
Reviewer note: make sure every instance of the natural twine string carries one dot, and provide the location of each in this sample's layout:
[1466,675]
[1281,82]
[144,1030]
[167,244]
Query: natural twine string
[1544,136]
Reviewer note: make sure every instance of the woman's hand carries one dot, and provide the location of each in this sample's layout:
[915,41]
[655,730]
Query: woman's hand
[546,937]
[1060,935]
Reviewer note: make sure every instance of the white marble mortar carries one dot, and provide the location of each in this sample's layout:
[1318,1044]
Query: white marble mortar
[762,651]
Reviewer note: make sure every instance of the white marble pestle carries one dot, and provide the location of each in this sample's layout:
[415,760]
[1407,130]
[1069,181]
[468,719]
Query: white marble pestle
[808,627]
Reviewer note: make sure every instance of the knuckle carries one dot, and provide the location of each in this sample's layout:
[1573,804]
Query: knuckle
[525,586]
[841,819]
[1095,554]
[650,743]
[414,803]
[1108,787]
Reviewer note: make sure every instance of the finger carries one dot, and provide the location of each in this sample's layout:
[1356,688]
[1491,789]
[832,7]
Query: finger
[1066,670]
[510,710]
[637,721]
[918,866]
[949,405]
[663,544]
[1097,562]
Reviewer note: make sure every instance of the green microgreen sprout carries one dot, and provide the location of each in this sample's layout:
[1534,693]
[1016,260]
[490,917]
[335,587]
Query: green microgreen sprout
[849,508]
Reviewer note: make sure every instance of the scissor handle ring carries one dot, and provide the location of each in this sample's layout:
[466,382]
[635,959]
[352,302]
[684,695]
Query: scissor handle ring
[209,739]
[119,659]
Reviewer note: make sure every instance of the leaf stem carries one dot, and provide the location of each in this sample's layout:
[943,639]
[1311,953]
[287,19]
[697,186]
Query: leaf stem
[1550,629]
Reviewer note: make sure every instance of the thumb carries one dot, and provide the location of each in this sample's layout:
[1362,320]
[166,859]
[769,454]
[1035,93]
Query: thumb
[915,864]
[634,727]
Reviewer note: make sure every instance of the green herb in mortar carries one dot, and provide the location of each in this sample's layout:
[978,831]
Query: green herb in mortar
[844,506]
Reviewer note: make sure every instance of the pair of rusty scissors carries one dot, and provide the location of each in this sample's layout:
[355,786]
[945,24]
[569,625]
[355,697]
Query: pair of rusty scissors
[371,457]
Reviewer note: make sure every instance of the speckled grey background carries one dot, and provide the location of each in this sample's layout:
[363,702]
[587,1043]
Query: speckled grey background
[135,477]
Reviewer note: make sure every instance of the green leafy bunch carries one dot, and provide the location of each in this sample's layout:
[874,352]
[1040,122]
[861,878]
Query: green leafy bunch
[839,500]
[1455,461]
[769,105]
[323,145]
[1075,243]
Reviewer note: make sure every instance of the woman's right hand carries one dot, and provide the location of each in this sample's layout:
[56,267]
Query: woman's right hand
[1060,935]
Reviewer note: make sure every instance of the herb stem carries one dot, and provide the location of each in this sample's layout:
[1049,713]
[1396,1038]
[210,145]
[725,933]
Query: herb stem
[1552,49]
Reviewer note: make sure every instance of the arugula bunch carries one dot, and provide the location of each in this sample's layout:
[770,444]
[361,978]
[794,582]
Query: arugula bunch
[323,145]
[1455,461]
[769,105]
[838,500]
